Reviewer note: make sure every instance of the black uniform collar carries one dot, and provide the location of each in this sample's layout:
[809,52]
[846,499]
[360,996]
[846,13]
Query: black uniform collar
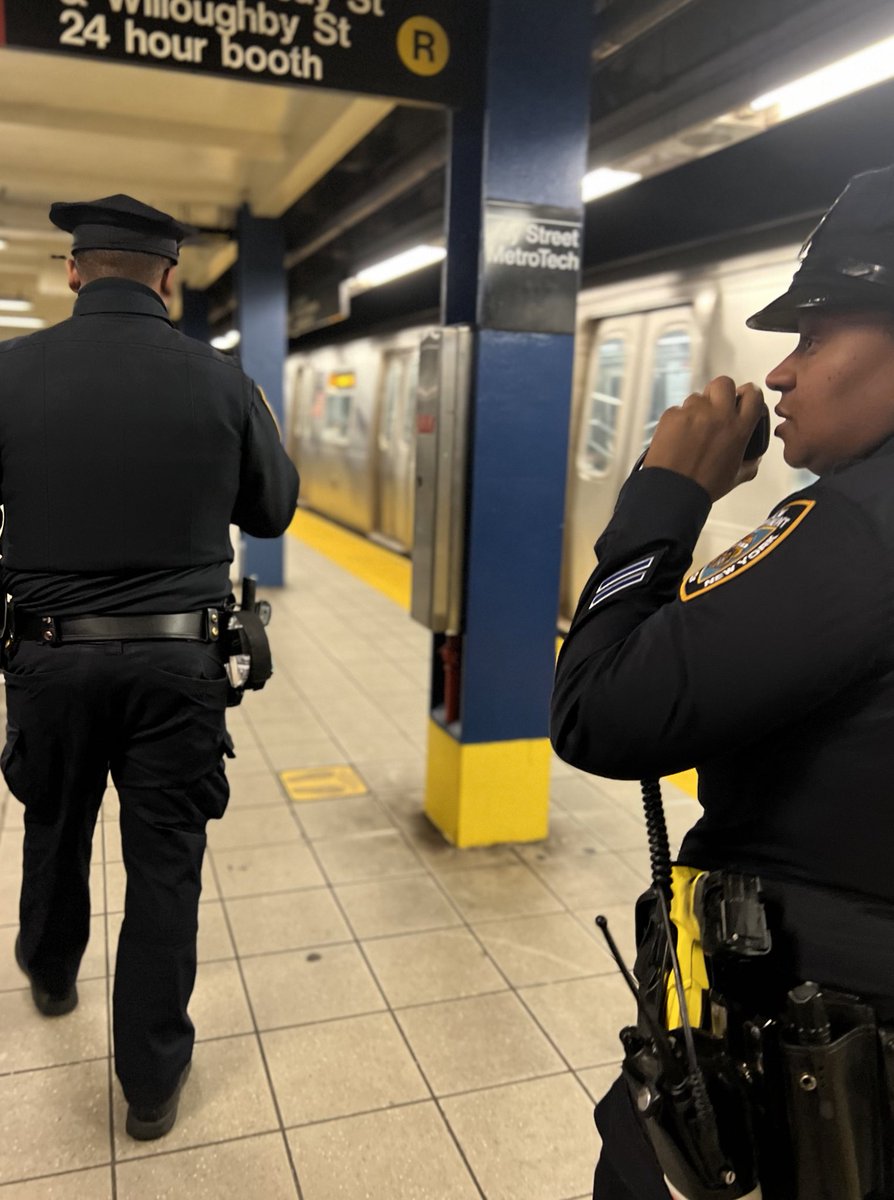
[113,295]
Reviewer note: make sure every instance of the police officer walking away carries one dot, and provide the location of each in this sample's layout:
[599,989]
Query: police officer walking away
[771,670]
[126,449]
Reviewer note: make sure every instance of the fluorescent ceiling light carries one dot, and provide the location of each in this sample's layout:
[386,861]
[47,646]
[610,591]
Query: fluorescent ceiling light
[851,74]
[22,322]
[3,244]
[398,265]
[15,305]
[604,180]
[227,341]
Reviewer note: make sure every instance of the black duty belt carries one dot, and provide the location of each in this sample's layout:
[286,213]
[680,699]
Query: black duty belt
[188,627]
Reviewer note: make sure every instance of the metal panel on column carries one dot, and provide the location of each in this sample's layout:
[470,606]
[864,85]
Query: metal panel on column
[262,297]
[514,207]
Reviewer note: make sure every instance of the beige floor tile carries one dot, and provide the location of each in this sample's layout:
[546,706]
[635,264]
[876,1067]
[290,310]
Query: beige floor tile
[366,856]
[544,948]
[392,775]
[218,1007]
[434,848]
[342,817]
[226,1096]
[302,986]
[406,1153]
[288,756]
[258,870]
[259,789]
[31,1040]
[92,1184]
[620,919]
[55,1120]
[255,1168]
[395,906]
[590,880]
[286,921]
[253,827]
[419,968]
[597,1080]
[504,891]
[584,1017]
[477,1042]
[249,759]
[93,964]
[340,1068]
[214,941]
[534,1140]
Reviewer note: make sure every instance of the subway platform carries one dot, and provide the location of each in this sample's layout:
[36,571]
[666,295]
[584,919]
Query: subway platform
[378,1014]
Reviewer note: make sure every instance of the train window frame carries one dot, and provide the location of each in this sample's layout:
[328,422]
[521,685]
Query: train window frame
[338,432]
[654,334]
[392,404]
[603,332]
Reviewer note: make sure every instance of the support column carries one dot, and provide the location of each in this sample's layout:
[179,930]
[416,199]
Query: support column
[262,298]
[194,318]
[525,152]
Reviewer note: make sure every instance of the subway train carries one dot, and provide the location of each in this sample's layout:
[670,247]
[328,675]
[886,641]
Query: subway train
[641,345]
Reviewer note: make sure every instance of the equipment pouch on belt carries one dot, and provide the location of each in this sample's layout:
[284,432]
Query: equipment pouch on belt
[834,1094]
[249,663]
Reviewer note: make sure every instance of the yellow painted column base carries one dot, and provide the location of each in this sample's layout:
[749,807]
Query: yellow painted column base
[480,793]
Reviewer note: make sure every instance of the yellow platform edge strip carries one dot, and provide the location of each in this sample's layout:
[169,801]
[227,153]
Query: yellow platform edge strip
[387,572]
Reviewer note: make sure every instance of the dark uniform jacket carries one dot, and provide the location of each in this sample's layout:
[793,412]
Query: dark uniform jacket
[126,449]
[771,670]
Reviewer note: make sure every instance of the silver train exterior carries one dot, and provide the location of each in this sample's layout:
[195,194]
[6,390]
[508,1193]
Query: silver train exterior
[640,346]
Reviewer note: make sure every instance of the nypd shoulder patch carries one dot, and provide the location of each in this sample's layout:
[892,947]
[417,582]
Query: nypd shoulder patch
[747,550]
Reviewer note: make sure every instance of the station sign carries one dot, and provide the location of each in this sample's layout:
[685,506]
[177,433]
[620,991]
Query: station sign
[422,50]
[532,260]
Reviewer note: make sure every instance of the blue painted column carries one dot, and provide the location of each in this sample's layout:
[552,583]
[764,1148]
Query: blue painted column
[194,317]
[488,772]
[262,299]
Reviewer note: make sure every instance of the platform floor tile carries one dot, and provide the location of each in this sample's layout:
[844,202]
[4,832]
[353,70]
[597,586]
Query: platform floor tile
[377,1013]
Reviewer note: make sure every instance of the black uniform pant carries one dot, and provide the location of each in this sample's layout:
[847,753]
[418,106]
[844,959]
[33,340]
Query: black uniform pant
[152,714]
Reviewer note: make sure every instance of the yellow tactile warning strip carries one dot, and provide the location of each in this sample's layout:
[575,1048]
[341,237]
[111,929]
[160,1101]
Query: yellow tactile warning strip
[387,572]
[322,783]
[390,574]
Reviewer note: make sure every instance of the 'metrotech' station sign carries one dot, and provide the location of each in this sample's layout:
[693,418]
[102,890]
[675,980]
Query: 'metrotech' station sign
[413,49]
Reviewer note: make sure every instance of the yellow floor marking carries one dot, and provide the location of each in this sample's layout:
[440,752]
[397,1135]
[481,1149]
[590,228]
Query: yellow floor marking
[387,572]
[687,781]
[322,783]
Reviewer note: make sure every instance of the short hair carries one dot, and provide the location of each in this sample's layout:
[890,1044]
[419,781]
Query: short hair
[124,264]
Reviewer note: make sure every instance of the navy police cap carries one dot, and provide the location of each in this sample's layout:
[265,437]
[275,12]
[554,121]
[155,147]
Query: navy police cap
[847,263]
[120,223]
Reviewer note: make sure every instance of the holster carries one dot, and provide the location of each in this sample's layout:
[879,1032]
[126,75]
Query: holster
[838,1108]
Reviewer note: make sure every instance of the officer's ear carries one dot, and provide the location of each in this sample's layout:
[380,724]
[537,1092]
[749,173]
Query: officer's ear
[74,276]
[166,284]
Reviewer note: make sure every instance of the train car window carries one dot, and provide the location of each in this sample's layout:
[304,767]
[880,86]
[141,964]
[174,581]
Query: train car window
[605,403]
[394,381]
[671,376]
[338,413]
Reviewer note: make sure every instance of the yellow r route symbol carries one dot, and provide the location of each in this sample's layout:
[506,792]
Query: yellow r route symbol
[423,46]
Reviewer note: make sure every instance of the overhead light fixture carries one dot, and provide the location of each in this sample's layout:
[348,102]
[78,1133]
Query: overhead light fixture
[857,71]
[3,244]
[396,266]
[22,322]
[227,341]
[604,180]
[15,305]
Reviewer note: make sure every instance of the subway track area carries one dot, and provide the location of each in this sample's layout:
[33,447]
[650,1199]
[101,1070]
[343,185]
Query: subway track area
[378,1014]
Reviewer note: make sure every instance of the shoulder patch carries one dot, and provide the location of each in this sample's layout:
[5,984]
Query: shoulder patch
[629,576]
[747,550]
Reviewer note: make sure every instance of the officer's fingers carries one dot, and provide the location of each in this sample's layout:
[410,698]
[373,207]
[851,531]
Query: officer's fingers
[751,402]
[721,392]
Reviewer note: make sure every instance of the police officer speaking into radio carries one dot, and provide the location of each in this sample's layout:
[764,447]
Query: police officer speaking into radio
[770,669]
[126,449]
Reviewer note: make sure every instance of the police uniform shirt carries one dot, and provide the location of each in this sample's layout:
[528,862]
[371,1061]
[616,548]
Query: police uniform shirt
[770,669]
[126,449]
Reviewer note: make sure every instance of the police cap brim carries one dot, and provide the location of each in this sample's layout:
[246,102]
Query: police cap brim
[841,295]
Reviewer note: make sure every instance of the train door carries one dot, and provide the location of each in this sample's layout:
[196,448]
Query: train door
[639,365]
[395,449]
[298,405]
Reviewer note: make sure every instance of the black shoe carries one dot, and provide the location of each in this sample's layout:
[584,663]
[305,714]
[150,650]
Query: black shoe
[51,1004]
[146,1124]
